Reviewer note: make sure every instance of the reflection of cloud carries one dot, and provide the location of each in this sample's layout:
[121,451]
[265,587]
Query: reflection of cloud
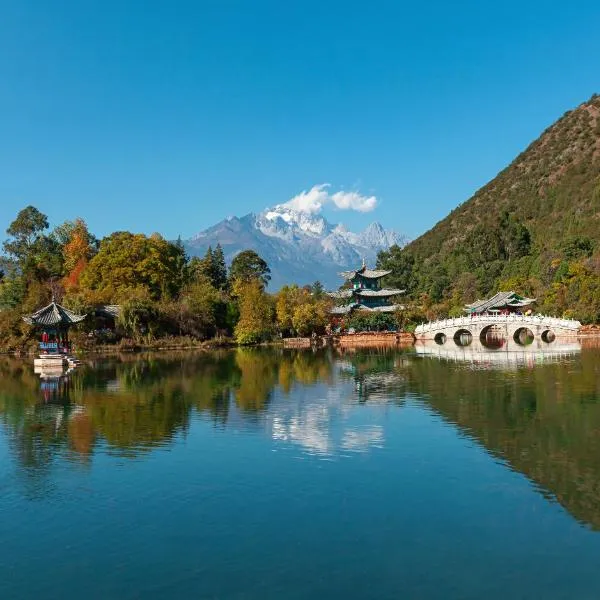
[321,420]
[359,441]
[309,430]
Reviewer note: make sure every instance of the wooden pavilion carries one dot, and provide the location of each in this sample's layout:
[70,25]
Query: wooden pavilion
[500,303]
[53,322]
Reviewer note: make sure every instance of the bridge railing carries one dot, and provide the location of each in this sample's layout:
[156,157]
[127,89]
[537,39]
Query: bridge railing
[469,320]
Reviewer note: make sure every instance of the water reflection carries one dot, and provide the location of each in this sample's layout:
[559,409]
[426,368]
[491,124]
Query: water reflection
[543,422]
[499,352]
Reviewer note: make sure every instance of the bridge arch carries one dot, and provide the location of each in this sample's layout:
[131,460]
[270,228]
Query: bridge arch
[523,336]
[548,336]
[493,336]
[463,337]
[440,338]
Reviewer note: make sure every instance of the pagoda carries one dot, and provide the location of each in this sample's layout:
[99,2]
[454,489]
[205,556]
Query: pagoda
[54,322]
[364,292]
[501,303]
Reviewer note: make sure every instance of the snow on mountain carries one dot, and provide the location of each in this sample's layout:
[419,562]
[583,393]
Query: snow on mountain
[300,247]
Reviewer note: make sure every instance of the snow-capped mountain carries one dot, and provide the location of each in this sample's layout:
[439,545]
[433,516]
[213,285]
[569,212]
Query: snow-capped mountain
[300,247]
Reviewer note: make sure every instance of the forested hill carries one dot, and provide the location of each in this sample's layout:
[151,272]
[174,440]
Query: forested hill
[534,228]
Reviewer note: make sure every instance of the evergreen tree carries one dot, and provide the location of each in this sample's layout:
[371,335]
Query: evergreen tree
[219,269]
[248,266]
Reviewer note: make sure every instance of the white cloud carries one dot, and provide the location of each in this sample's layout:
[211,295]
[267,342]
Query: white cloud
[313,200]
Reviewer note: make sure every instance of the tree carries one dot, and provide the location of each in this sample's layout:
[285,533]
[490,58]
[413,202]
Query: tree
[578,247]
[25,231]
[181,263]
[248,266]
[77,250]
[372,321]
[310,318]
[139,315]
[287,299]
[317,290]
[402,264]
[256,312]
[219,269]
[212,267]
[36,255]
[198,306]
[127,261]
[202,268]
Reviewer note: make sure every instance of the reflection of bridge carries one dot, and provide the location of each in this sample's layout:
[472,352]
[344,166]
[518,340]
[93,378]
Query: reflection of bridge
[509,326]
[510,353]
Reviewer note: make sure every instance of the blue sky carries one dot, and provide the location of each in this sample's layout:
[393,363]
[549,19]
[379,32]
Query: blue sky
[169,116]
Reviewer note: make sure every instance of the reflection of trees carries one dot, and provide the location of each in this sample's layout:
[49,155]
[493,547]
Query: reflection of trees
[136,402]
[258,374]
[544,421]
[376,372]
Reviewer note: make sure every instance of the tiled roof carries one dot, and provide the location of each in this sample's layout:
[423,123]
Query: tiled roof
[341,294]
[53,314]
[108,310]
[344,310]
[499,300]
[379,293]
[366,273]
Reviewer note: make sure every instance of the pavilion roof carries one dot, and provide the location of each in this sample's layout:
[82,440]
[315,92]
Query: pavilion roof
[53,314]
[341,294]
[385,293]
[498,301]
[344,310]
[108,310]
[364,272]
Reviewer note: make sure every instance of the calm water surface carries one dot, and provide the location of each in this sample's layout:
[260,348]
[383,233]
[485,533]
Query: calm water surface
[425,473]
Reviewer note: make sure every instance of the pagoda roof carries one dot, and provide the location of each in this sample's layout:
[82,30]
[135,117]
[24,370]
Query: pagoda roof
[379,293]
[341,294]
[344,310]
[53,314]
[498,301]
[364,272]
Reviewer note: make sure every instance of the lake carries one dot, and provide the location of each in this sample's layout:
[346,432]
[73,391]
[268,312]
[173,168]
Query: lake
[429,472]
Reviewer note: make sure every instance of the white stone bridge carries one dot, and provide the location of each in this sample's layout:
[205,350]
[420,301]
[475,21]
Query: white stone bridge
[510,326]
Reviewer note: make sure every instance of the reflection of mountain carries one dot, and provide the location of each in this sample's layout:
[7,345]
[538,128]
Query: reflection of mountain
[507,355]
[544,422]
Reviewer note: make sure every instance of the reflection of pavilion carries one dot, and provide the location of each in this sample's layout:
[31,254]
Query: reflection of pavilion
[509,353]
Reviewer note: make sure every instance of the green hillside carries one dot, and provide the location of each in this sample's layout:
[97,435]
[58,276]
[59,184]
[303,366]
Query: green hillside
[534,228]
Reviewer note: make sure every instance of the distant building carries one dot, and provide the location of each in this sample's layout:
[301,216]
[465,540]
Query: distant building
[502,302]
[365,292]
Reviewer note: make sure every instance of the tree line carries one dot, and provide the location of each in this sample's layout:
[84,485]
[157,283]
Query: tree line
[494,257]
[159,289]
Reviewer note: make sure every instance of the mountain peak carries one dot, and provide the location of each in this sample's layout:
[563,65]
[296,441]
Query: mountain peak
[299,246]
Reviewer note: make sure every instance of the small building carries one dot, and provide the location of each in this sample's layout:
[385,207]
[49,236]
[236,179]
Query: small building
[54,321]
[106,317]
[501,303]
[364,292]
